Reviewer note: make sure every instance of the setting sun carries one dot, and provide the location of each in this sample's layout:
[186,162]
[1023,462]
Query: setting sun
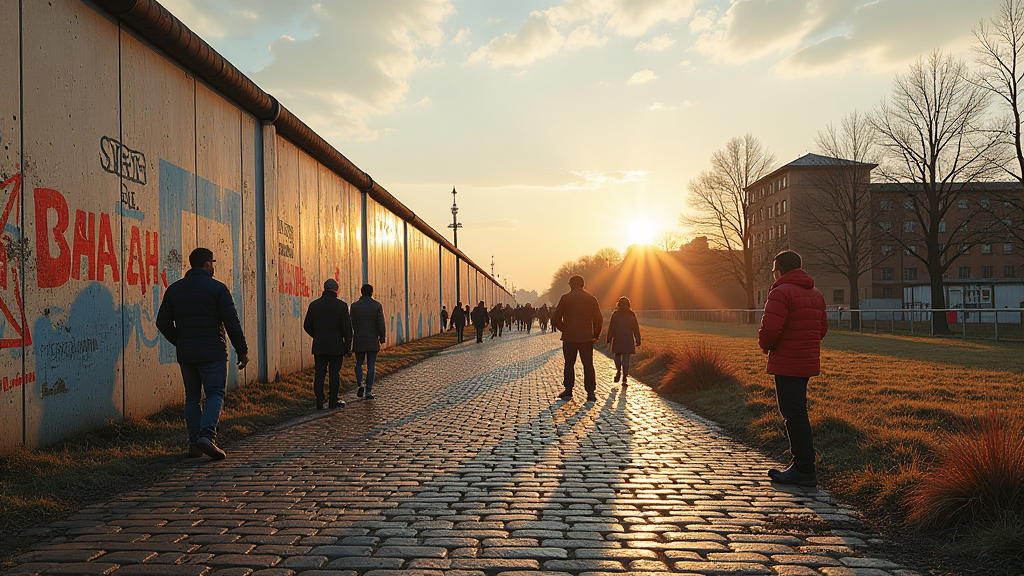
[640,231]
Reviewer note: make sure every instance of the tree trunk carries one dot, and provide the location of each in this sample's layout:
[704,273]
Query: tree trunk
[939,324]
[854,302]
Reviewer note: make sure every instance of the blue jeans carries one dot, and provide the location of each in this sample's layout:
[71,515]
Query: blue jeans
[210,377]
[371,368]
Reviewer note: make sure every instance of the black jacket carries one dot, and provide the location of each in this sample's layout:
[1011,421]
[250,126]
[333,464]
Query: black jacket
[195,314]
[368,328]
[578,316]
[480,316]
[328,323]
[458,316]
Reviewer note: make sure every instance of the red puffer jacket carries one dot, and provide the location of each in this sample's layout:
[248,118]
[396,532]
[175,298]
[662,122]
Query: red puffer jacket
[793,325]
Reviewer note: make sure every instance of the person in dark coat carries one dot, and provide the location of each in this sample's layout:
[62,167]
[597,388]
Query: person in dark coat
[444,318]
[793,324]
[624,337]
[497,318]
[459,321]
[480,319]
[543,316]
[528,314]
[369,331]
[328,323]
[194,316]
[578,316]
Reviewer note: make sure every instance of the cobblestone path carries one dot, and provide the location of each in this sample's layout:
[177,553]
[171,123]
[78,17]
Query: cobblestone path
[467,465]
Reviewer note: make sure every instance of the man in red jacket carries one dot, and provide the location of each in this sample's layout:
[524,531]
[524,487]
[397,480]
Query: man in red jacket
[793,324]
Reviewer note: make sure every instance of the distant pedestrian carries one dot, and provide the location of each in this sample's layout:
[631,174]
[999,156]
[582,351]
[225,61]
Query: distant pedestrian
[497,318]
[480,319]
[368,333]
[543,316]
[328,323]
[624,337]
[444,318]
[793,324]
[459,321]
[194,315]
[578,316]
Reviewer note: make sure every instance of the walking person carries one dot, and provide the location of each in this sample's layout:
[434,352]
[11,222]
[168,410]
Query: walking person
[444,318]
[459,321]
[624,337]
[793,324]
[579,318]
[368,333]
[480,319]
[328,323]
[497,320]
[194,316]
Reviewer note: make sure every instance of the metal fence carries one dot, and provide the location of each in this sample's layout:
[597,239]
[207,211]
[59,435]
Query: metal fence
[1003,324]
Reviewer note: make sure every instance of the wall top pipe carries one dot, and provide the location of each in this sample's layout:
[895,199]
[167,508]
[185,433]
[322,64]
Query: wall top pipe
[156,24]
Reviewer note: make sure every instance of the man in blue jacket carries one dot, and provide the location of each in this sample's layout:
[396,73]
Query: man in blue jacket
[195,314]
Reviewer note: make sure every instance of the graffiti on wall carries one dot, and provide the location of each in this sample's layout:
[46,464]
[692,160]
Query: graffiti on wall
[14,331]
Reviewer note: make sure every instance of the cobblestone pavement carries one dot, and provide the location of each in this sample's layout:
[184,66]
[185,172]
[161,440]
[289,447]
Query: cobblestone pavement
[467,465]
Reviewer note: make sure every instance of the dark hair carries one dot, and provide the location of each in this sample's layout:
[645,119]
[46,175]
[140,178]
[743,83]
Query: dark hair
[199,257]
[459,304]
[787,261]
[366,290]
[577,281]
[623,303]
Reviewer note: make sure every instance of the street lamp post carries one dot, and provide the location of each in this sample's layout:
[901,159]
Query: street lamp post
[455,225]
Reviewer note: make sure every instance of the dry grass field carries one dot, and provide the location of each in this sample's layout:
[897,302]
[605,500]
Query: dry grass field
[881,410]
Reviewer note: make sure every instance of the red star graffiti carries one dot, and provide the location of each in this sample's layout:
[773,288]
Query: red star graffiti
[10,194]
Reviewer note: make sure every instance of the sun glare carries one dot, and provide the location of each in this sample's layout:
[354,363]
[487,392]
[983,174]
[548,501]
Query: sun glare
[641,231]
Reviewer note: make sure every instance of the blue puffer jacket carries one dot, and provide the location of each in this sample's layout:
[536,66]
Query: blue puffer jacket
[194,315]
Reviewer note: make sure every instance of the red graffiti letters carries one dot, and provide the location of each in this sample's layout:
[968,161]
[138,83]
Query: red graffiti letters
[53,270]
[291,279]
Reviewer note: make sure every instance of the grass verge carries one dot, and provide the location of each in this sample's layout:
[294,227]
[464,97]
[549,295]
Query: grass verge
[881,410]
[43,485]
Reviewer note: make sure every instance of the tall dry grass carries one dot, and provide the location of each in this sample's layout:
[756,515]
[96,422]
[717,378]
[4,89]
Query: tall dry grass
[697,367]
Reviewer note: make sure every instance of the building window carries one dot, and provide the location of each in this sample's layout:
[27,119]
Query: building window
[888,273]
[964,249]
[1008,222]
[1009,271]
[886,250]
[963,226]
[962,204]
[886,226]
[771,233]
[986,248]
[783,206]
[838,296]
[965,272]
[886,204]
[910,249]
[908,204]
[1007,204]
[783,229]
[910,273]
[942,225]
[888,292]
[909,226]
[985,203]
[1007,248]
[988,271]
[777,209]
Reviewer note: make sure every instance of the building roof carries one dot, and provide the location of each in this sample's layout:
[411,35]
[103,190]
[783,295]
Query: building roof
[819,160]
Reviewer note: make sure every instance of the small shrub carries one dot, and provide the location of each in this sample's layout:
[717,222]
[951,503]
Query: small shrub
[1000,544]
[977,478]
[699,367]
[653,365]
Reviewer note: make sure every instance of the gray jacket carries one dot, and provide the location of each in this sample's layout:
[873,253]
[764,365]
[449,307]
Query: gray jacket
[368,328]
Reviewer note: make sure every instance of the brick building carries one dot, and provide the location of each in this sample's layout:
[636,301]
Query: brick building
[784,208]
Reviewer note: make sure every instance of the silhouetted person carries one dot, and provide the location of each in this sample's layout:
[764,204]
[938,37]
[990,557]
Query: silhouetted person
[578,316]
[194,315]
[459,321]
[624,337]
[528,314]
[480,319]
[497,319]
[543,316]
[327,322]
[793,324]
[368,332]
[444,318]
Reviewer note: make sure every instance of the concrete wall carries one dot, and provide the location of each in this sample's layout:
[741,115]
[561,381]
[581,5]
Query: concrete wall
[115,162]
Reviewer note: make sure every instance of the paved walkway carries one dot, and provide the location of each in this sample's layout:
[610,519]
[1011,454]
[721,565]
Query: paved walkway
[466,465]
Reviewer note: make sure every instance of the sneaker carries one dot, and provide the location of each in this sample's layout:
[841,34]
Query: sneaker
[360,391]
[194,451]
[338,404]
[617,376]
[209,447]
[369,396]
[793,476]
[566,395]
[591,398]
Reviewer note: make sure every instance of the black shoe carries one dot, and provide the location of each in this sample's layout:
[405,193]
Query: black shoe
[591,398]
[334,405]
[618,375]
[566,395]
[319,404]
[209,447]
[369,396]
[360,391]
[793,476]
[194,451]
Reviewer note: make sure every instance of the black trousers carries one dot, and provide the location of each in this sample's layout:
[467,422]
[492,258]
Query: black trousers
[479,333]
[791,392]
[458,331]
[327,364]
[585,350]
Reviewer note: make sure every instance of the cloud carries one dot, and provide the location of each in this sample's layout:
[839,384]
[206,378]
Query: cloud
[584,37]
[656,44]
[660,107]
[425,101]
[641,77]
[461,37]
[536,40]
[810,37]
[590,180]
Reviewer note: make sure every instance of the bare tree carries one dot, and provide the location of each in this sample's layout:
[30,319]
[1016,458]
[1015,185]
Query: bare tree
[722,207]
[609,257]
[934,147]
[840,220]
[668,240]
[1000,57]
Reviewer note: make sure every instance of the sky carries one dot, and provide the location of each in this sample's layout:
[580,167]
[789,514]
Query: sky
[569,125]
